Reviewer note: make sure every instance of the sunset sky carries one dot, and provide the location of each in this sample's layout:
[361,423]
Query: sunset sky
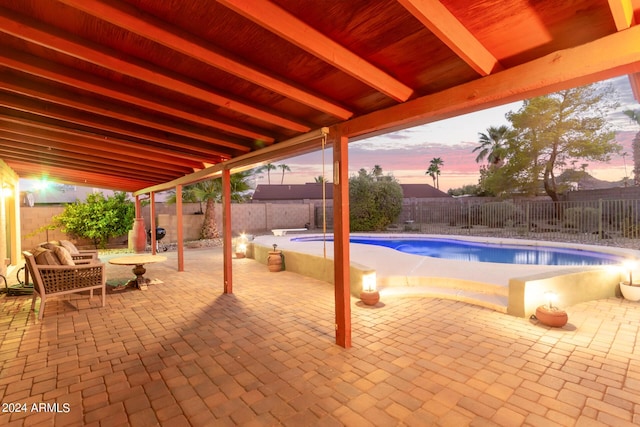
[407,153]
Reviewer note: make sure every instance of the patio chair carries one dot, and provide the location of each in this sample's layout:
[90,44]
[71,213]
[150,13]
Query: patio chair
[52,279]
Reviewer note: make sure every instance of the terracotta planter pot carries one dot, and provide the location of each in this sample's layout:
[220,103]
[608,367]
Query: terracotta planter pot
[370,298]
[240,255]
[551,317]
[274,261]
[632,293]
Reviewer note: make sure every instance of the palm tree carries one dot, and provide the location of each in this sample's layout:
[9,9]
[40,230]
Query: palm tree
[268,167]
[240,186]
[210,192]
[434,171]
[493,145]
[284,168]
[634,115]
[319,179]
[624,160]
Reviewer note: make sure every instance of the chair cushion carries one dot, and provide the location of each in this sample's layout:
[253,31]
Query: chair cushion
[73,250]
[63,256]
[45,256]
[48,245]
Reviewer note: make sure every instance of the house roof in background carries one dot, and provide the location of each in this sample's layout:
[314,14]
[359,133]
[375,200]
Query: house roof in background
[313,191]
[131,94]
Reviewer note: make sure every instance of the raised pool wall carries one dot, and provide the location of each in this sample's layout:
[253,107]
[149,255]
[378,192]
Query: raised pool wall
[571,287]
[317,267]
[524,294]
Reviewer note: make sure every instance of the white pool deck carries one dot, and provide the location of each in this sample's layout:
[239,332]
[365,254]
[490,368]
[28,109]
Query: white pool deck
[481,283]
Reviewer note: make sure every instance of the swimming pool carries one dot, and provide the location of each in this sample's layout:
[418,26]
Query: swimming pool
[463,250]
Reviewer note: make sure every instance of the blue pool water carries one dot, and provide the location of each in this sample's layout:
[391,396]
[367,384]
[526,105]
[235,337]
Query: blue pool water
[462,250]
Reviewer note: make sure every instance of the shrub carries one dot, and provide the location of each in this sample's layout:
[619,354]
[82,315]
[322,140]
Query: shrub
[499,214]
[98,218]
[582,219]
[374,203]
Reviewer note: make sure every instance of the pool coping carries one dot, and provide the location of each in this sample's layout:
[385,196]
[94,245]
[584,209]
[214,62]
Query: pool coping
[509,288]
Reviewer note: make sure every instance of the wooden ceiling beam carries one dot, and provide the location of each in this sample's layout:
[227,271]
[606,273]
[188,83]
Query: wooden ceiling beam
[117,146]
[65,176]
[110,110]
[33,153]
[444,25]
[46,144]
[293,30]
[35,32]
[634,80]
[622,12]
[610,56]
[104,124]
[623,16]
[59,160]
[51,71]
[131,19]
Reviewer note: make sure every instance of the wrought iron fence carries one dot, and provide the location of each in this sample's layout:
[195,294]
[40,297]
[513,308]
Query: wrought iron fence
[601,222]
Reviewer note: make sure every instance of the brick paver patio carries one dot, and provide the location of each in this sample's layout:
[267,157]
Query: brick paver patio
[182,353]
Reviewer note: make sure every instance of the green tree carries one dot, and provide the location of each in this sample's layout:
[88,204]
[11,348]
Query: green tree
[319,179]
[285,168]
[493,145]
[434,170]
[548,133]
[374,204]
[634,115]
[98,218]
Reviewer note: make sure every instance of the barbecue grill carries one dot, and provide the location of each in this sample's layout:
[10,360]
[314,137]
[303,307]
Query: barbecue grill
[160,233]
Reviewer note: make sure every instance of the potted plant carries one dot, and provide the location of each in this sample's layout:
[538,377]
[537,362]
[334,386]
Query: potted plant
[630,290]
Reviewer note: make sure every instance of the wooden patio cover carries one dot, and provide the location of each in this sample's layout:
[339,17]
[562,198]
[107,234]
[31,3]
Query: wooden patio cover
[139,95]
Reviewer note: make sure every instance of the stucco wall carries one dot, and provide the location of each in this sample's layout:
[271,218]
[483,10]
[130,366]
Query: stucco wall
[246,217]
[9,220]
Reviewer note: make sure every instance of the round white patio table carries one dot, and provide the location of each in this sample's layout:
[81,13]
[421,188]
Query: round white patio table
[138,261]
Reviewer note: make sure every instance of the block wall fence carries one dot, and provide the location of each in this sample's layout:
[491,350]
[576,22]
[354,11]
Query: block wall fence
[254,218]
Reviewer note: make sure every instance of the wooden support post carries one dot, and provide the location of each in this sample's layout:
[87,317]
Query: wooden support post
[226,233]
[179,228]
[342,280]
[152,221]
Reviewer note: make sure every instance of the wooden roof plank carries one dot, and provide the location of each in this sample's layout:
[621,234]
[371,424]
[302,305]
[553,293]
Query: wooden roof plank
[437,18]
[607,57]
[71,77]
[110,110]
[81,151]
[35,32]
[68,162]
[118,146]
[172,37]
[104,124]
[66,176]
[290,28]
